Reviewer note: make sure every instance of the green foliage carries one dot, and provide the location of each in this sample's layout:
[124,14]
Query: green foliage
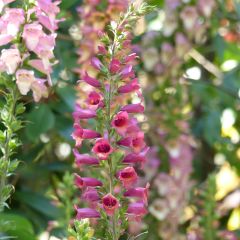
[66,197]
[9,141]
[44,183]
[65,4]
[209,218]
[67,94]
[40,120]
[81,231]
[15,226]
[39,203]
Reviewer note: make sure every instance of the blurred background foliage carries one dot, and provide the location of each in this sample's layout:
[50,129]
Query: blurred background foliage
[42,204]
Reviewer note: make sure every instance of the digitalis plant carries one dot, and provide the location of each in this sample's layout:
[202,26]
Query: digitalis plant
[27,41]
[111,194]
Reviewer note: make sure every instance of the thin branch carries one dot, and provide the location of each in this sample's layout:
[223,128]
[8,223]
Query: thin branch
[209,66]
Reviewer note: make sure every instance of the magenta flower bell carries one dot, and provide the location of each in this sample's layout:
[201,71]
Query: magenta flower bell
[121,122]
[83,113]
[90,195]
[136,211]
[115,65]
[96,63]
[79,134]
[102,149]
[128,177]
[84,159]
[133,108]
[110,204]
[91,81]
[127,72]
[138,192]
[130,87]
[133,158]
[87,213]
[83,182]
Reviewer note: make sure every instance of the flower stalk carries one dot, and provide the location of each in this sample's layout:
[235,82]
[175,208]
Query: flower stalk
[9,142]
[117,132]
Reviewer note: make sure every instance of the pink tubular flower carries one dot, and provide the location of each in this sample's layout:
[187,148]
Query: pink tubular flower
[136,211]
[102,50]
[206,7]
[133,127]
[31,35]
[138,192]
[39,89]
[189,17]
[132,158]
[120,122]
[114,66]
[83,113]
[91,81]
[102,149]
[128,176]
[110,204]
[83,182]
[130,87]
[13,17]
[11,59]
[49,7]
[44,48]
[84,159]
[127,71]
[136,142]
[90,195]
[5,39]
[94,100]
[25,25]
[38,64]
[96,63]
[133,108]
[25,78]
[87,213]
[79,134]
[48,22]
[131,57]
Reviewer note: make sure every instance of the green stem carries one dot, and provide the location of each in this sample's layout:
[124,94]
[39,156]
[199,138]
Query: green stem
[12,97]
[108,96]
[110,165]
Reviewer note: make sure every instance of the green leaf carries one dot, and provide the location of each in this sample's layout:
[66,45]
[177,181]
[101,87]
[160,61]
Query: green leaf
[41,120]
[2,136]
[39,203]
[65,127]
[212,126]
[67,94]
[20,108]
[13,165]
[13,225]
[159,3]
[65,4]
[219,46]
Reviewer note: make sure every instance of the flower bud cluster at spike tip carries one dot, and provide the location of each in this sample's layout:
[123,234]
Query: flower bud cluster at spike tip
[114,134]
[94,20]
[27,39]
